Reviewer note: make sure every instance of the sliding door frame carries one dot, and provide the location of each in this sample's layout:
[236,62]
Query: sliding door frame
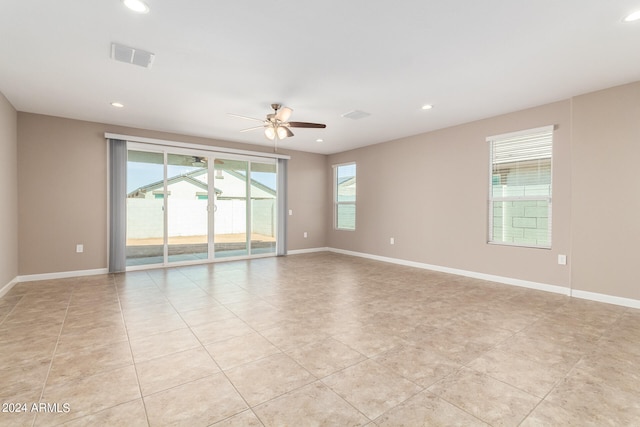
[212,153]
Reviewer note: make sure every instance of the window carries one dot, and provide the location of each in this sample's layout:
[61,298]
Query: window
[344,178]
[520,188]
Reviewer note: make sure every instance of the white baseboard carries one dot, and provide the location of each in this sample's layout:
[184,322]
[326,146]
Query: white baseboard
[6,288]
[593,296]
[307,251]
[62,275]
[490,277]
[609,299]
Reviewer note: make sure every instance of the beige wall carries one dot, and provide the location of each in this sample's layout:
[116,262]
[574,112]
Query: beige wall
[63,199]
[429,192]
[307,201]
[9,192]
[606,191]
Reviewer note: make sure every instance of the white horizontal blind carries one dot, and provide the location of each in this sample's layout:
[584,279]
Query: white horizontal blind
[521,148]
[520,188]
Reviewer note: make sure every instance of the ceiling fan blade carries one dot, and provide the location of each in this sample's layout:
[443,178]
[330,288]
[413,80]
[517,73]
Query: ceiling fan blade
[307,125]
[253,128]
[287,131]
[245,117]
[283,114]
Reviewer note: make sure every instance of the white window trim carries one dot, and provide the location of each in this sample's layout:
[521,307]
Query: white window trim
[492,199]
[336,203]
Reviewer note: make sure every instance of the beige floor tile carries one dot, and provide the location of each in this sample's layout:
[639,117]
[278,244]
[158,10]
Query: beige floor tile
[267,378]
[369,342]
[547,414]
[94,313]
[84,362]
[19,412]
[243,419]
[146,310]
[424,366]
[617,369]
[492,401]
[193,303]
[153,346]
[94,319]
[89,395]
[76,339]
[36,328]
[526,374]
[221,330]
[25,352]
[595,398]
[27,378]
[371,388]
[202,316]
[240,350]
[201,402]
[426,409]
[174,369]
[447,343]
[328,313]
[155,325]
[312,402]
[289,336]
[326,357]
[130,414]
[552,353]
[471,330]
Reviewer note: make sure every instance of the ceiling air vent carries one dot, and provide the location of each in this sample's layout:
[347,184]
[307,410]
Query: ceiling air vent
[131,55]
[355,115]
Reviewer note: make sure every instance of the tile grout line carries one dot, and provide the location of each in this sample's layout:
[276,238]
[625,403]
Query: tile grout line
[210,356]
[135,367]
[53,354]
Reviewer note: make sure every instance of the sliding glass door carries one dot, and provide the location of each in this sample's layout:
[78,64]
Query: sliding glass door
[230,220]
[187,201]
[263,208]
[187,206]
[145,208]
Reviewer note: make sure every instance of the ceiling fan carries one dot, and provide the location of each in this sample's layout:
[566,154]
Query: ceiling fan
[198,161]
[276,125]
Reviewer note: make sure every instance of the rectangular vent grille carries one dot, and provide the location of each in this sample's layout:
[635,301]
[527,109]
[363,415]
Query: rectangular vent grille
[355,115]
[131,55]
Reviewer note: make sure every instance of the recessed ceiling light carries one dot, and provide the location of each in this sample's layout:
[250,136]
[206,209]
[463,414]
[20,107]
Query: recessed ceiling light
[319,140]
[427,107]
[117,104]
[632,16]
[137,6]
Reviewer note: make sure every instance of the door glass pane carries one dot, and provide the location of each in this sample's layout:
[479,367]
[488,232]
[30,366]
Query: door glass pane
[230,218]
[145,201]
[263,208]
[187,200]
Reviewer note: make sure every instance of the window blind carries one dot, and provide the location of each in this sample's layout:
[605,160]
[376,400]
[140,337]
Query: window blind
[520,188]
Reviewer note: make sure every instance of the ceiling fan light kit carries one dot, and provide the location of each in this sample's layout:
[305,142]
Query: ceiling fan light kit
[276,125]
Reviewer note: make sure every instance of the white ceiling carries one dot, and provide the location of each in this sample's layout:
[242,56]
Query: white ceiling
[471,59]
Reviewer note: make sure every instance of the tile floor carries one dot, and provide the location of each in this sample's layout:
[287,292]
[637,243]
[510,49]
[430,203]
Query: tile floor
[315,339]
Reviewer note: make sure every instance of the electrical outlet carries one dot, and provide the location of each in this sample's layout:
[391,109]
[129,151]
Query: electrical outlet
[562,259]
[290,212]
[392,241]
[79,249]
[305,235]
